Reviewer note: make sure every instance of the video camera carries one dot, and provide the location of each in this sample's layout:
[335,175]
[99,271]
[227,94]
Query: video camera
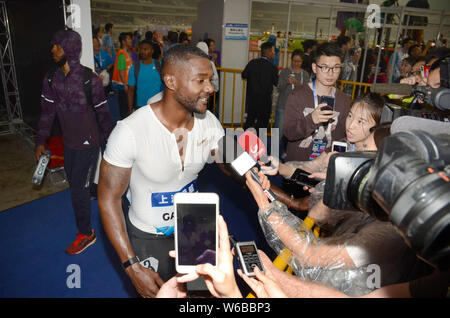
[406,182]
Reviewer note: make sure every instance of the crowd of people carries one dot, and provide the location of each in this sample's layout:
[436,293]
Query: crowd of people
[163,88]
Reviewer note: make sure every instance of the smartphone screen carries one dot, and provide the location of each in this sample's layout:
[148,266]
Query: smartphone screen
[196,233]
[339,148]
[329,101]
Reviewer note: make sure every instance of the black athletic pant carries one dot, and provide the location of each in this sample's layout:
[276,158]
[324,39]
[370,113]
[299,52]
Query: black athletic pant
[123,103]
[259,108]
[80,168]
[150,247]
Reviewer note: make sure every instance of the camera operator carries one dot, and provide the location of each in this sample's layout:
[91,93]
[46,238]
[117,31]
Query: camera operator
[434,285]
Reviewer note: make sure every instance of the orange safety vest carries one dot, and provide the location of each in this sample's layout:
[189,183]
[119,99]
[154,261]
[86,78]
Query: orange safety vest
[116,76]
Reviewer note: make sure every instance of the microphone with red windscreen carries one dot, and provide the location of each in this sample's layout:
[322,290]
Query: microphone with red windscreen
[254,149]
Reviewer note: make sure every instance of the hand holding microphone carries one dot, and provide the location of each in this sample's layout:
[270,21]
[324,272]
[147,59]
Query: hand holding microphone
[272,169]
[254,149]
[258,187]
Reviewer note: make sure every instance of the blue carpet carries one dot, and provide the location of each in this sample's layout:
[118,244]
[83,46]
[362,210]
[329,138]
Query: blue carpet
[33,262]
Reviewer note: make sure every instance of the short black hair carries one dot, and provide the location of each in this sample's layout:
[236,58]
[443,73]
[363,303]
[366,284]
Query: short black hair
[412,47]
[183,37]
[209,41]
[341,40]
[327,49]
[307,44]
[298,52]
[172,36]
[108,26]
[123,36]
[181,53]
[266,46]
[405,41]
[149,35]
[146,41]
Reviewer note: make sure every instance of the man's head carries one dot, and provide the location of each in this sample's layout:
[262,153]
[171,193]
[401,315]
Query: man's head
[406,67]
[145,50]
[355,54]
[327,63]
[187,73]
[344,42]
[268,50]
[95,44]
[172,37]
[414,51]
[109,28]
[309,46]
[125,40]
[406,43]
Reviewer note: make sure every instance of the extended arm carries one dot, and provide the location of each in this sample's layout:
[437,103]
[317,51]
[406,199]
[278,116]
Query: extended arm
[112,185]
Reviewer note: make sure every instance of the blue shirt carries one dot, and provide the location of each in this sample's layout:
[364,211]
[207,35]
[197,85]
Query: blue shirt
[148,83]
[109,43]
[102,60]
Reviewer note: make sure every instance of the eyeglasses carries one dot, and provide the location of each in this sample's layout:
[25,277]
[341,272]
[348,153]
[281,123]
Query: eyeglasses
[326,68]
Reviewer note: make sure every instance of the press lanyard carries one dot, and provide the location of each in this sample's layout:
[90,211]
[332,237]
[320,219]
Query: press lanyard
[301,76]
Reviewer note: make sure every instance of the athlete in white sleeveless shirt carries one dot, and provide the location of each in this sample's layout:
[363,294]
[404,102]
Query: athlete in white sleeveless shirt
[143,143]
[154,153]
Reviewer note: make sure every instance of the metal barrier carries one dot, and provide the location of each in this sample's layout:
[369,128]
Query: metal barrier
[223,87]
[227,72]
[363,86]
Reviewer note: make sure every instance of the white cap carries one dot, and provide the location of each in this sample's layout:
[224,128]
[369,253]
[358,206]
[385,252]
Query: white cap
[203,46]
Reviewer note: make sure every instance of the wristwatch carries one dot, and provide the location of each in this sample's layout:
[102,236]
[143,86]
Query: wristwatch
[130,262]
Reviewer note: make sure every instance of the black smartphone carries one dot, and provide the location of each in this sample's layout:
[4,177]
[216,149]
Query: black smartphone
[301,177]
[329,100]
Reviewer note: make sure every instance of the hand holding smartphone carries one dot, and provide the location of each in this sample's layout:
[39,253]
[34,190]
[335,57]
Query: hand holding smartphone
[196,230]
[318,116]
[327,100]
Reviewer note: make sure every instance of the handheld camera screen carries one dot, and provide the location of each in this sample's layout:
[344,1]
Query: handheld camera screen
[196,236]
[248,249]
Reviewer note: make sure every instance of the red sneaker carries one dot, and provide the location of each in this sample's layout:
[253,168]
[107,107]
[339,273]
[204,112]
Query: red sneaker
[81,243]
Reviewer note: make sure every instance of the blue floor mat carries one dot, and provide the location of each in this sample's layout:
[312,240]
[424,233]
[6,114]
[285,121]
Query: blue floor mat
[33,262]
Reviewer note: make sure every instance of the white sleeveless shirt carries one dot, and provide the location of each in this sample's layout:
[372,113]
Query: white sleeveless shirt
[143,143]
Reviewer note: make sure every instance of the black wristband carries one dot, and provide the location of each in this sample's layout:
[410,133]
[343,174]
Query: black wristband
[130,262]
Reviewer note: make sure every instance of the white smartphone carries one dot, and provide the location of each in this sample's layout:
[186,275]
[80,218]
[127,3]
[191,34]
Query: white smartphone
[196,230]
[339,146]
